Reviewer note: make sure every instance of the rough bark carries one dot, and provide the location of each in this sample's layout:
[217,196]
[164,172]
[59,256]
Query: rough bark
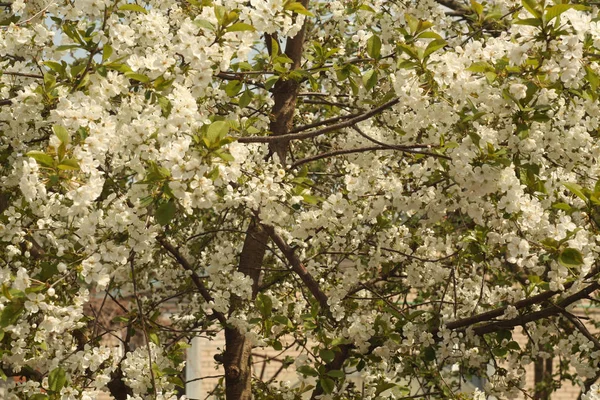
[285,93]
[238,350]
[543,378]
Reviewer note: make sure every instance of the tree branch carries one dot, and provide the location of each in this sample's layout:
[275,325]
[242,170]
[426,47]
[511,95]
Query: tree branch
[362,150]
[458,8]
[298,268]
[195,278]
[322,131]
[22,74]
[142,320]
[323,122]
[580,327]
[492,314]
[534,316]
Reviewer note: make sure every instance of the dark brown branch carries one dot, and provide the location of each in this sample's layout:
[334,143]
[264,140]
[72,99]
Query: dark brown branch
[458,8]
[195,278]
[580,327]
[396,146]
[329,103]
[492,314]
[142,318]
[23,74]
[336,364]
[362,150]
[5,102]
[549,311]
[420,258]
[322,131]
[299,268]
[323,122]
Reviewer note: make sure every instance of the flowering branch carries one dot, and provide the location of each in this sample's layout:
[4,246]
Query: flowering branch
[322,131]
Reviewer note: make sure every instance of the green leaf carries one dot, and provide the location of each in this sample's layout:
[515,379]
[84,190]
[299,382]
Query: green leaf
[137,77]
[477,7]
[499,351]
[410,50]
[562,206]
[532,7]
[433,46]
[283,320]
[10,313]
[512,345]
[165,105]
[336,373]
[61,133]
[271,81]
[575,189]
[570,257]
[134,8]
[240,27]
[366,7]
[107,51]
[41,158]
[370,79]
[277,346]
[310,199]
[592,78]
[480,66]
[56,67]
[123,68]
[307,370]
[161,83]
[374,46]
[328,385]
[202,23]
[298,8]
[429,354]
[220,13]
[68,164]
[428,35]
[528,21]
[217,131]
[67,47]
[245,98]
[57,379]
[558,9]
[154,338]
[165,212]
[233,88]
[224,155]
[264,305]
[503,334]
[383,386]
[326,355]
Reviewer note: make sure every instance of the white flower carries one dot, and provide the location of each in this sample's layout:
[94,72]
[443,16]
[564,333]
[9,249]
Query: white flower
[518,90]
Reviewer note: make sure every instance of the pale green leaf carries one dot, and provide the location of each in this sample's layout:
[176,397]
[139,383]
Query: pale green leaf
[133,8]
[41,158]
[570,257]
[374,46]
[240,27]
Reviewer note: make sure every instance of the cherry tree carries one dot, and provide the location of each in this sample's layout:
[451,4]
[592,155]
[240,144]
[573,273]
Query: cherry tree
[391,190]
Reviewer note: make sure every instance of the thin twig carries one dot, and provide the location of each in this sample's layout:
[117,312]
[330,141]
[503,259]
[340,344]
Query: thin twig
[143,321]
[322,131]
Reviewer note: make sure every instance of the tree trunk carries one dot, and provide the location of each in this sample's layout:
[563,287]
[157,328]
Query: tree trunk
[542,378]
[238,349]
